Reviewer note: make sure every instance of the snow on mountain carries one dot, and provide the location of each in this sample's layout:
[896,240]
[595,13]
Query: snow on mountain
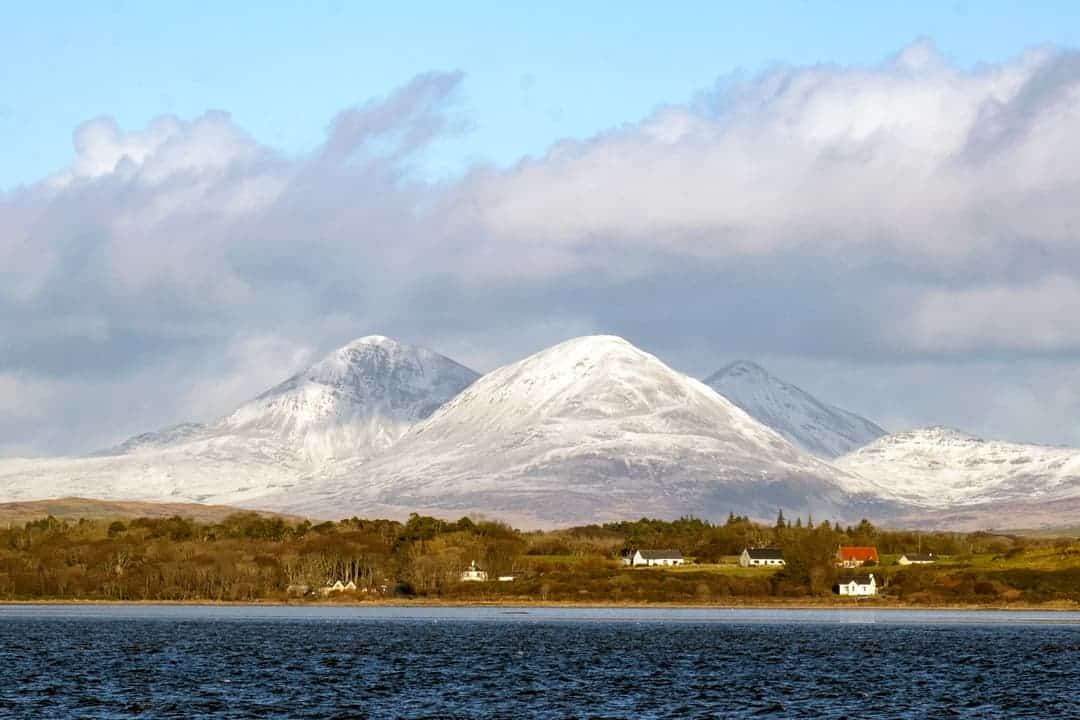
[589,430]
[820,429]
[939,467]
[354,403]
[172,435]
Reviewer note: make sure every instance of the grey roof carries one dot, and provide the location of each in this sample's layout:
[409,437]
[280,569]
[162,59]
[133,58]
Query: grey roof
[767,553]
[665,554]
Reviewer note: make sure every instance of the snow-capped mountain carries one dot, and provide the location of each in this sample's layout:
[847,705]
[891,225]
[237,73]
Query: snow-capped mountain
[820,429]
[353,403]
[939,467]
[588,430]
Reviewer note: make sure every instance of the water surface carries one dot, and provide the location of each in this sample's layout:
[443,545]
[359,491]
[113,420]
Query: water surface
[411,662]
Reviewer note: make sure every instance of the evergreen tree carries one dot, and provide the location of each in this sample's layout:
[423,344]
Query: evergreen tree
[780,523]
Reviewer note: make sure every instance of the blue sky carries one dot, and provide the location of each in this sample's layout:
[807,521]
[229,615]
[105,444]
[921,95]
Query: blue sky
[535,73]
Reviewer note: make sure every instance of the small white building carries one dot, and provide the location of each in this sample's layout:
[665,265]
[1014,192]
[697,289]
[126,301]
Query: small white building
[757,557]
[336,586]
[474,574]
[649,558]
[917,559]
[858,585]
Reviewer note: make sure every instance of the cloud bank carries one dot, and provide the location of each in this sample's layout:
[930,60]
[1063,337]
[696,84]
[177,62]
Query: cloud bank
[883,223]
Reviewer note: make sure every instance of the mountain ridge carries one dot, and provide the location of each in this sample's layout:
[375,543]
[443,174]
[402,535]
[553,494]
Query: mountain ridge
[590,429]
[821,429]
[942,467]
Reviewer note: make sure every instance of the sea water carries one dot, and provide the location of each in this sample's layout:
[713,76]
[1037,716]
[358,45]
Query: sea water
[416,662]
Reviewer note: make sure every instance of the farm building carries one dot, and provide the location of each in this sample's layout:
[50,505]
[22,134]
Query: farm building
[753,557]
[916,559]
[852,556]
[857,585]
[655,557]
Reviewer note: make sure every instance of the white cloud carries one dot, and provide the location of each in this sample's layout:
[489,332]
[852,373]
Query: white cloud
[1040,316]
[913,159]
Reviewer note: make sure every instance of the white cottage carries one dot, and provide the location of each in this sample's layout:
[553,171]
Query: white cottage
[858,585]
[656,557]
[474,574]
[336,586]
[757,557]
[916,559]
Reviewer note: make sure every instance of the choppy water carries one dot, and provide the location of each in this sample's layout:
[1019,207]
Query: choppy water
[251,662]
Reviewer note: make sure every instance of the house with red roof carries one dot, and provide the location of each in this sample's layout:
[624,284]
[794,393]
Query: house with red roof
[850,556]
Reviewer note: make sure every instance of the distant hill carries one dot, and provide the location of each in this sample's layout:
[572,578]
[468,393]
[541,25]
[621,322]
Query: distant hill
[949,470]
[820,429]
[75,508]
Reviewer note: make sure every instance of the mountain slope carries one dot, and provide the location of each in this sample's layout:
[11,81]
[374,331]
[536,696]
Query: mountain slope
[354,403]
[588,430]
[820,429]
[940,467]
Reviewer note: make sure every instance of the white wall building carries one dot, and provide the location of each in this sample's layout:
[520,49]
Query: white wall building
[858,585]
[474,574]
[755,557]
[916,559]
[656,557]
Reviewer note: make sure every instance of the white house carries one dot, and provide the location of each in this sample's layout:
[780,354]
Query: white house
[916,559]
[754,557]
[474,574]
[656,557]
[858,585]
[336,586]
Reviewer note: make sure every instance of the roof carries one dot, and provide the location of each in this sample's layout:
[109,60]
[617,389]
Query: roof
[665,554]
[862,554]
[769,553]
[919,557]
[857,579]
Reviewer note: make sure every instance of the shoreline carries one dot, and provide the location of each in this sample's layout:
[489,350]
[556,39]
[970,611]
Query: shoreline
[861,605]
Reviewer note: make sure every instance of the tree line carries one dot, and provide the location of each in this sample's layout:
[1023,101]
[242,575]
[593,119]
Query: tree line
[248,557]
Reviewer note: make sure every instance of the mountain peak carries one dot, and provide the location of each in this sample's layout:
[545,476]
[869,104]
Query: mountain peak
[356,400]
[821,429]
[739,368]
[376,340]
[370,355]
[594,345]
